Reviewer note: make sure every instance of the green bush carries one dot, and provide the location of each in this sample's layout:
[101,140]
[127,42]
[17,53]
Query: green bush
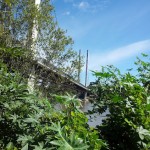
[128,99]
[31,123]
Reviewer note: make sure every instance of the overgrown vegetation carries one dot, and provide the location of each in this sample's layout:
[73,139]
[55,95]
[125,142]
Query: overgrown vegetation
[31,121]
[27,122]
[128,99]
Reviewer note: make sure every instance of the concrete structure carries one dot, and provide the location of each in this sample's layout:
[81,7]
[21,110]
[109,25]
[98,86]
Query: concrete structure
[49,79]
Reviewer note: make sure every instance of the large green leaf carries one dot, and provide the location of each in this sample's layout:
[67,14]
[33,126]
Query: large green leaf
[143,132]
[25,147]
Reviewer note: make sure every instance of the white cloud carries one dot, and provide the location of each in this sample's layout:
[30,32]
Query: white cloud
[92,6]
[67,13]
[118,54]
[83,5]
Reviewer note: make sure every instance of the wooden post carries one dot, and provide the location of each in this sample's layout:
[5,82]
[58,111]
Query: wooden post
[79,66]
[86,72]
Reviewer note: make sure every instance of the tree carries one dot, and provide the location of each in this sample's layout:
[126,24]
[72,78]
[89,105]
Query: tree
[51,44]
[32,28]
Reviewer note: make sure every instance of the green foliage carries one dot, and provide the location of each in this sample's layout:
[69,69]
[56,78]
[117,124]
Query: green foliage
[76,122]
[127,98]
[30,123]
[17,26]
[48,57]
[72,142]
[23,117]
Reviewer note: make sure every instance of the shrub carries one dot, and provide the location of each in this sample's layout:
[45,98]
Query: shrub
[128,99]
[29,122]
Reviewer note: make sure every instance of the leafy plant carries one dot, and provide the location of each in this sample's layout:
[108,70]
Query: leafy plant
[29,122]
[72,142]
[127,98]
[75,122]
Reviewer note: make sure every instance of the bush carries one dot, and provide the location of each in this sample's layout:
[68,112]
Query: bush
[128,99]
[29,122]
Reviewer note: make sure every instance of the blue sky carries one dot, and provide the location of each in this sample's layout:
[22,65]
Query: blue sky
[114,31]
